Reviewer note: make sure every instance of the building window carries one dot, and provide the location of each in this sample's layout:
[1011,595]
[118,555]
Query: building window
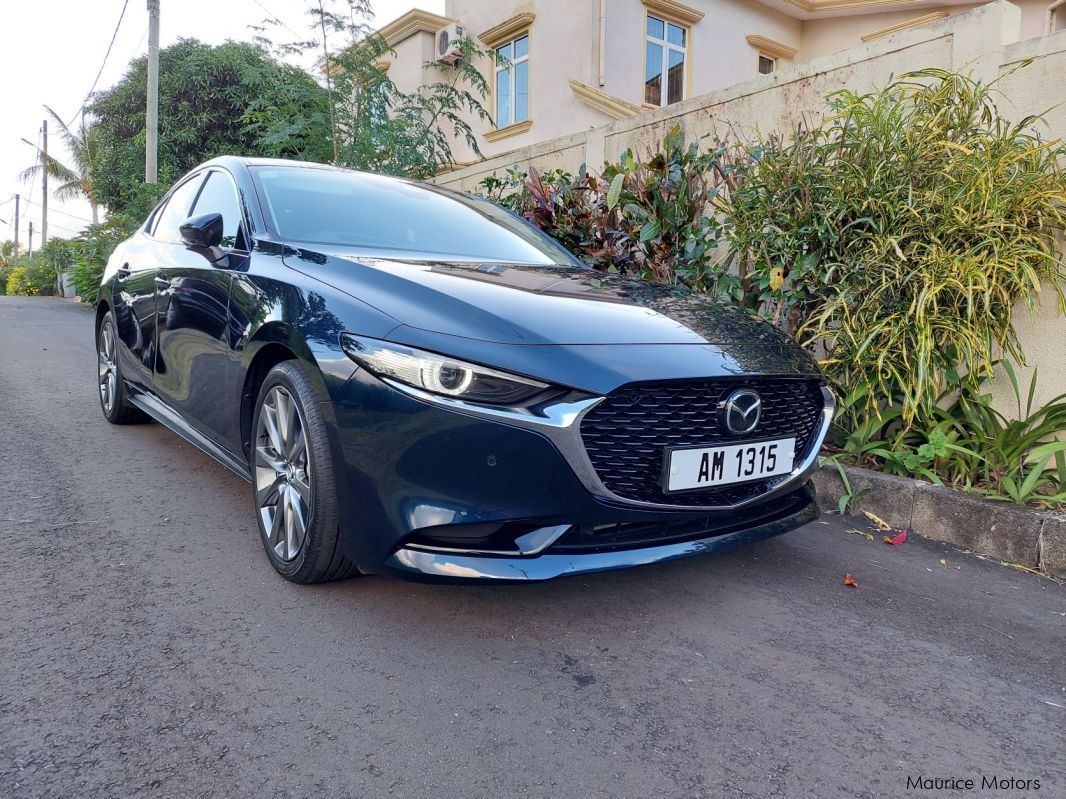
[664,61]
[512,82]
[371,99]
[766,64]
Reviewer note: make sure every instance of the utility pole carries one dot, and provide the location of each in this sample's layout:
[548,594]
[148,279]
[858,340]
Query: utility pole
[18,199]
[30,251]
[152,115]
[44,185]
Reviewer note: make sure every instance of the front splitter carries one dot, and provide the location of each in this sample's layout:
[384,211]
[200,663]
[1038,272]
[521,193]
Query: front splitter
[419,564]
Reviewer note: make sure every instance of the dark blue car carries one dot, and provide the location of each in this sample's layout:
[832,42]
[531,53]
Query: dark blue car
[417,382]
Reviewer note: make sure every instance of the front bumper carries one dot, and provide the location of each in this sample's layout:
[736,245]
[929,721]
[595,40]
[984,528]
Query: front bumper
[420,564]
[418,483]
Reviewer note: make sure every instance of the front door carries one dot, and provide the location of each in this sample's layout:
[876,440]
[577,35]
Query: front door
[138,283]
[133,302]
[192,371]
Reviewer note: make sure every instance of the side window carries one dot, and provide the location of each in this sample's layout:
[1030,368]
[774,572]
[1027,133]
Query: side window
[219,196]
[176,211]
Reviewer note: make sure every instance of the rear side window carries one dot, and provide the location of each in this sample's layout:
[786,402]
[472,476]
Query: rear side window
[376,212]
[176,211]
[219,196]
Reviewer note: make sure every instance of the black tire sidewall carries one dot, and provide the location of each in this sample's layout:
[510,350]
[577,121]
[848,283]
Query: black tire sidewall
[322,528]
[118,405]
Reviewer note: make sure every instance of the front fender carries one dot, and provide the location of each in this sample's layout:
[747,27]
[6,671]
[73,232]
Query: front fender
[327,364]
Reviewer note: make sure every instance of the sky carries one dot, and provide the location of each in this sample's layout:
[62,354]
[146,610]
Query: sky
[51,51]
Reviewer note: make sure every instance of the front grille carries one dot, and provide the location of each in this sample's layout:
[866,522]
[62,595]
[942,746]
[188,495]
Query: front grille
[625,436]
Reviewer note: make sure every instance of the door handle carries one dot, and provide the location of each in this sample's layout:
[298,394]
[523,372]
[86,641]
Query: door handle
[123,272]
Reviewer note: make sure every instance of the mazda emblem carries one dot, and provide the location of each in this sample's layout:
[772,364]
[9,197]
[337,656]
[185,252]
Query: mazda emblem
[741,410]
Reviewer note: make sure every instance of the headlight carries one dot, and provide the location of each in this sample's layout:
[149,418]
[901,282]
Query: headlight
[439,374]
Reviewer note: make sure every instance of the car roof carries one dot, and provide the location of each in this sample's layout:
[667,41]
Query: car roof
[247,161]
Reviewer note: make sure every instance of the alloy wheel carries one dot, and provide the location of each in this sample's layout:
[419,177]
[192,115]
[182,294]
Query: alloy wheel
[282,474]
[108,375]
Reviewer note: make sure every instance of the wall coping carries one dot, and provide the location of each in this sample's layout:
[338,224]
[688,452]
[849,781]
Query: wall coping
[1037,47]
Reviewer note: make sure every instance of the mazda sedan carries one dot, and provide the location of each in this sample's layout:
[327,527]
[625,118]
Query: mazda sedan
[417,382]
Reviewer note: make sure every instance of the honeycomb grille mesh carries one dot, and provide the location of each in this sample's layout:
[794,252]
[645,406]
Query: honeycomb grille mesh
[625,436]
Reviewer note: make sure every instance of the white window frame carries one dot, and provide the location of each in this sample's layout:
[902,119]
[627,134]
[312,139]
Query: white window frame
[667,46]
[512,70]
[773,63]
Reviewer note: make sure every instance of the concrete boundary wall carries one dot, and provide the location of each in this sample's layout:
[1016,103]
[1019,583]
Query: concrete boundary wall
[1031,79]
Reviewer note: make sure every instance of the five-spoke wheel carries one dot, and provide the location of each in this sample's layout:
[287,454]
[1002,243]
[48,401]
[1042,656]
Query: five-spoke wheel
[293,483]
[114,400]
[105,355]
[282,474]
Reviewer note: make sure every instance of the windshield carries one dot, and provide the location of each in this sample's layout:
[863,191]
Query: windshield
[357,209]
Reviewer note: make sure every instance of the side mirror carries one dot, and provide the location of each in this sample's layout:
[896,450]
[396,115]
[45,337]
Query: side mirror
[203,234]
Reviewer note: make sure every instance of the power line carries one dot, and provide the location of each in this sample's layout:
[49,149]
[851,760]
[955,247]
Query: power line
[63,228]
[57,211]
[276,18]
[100,72]
[28,220]
[144,35]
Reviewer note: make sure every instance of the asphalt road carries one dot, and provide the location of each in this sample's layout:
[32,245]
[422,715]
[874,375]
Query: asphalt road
[147,648]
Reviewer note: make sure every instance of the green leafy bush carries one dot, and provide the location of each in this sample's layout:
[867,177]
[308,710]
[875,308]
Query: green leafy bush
[966,443]
[650,217]
[86,278]
[899,235]
[15,282]
[94,247]
[33,276]
[572,210]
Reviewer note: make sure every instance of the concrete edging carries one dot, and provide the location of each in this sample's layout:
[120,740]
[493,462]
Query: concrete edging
[1011,533]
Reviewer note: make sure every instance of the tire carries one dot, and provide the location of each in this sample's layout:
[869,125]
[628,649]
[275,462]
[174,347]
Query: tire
[114,398]
[294,489]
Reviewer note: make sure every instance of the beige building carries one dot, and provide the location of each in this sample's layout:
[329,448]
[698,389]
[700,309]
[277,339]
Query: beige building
[577,64]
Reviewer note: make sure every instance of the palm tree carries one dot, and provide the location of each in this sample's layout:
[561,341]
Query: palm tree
[75,180]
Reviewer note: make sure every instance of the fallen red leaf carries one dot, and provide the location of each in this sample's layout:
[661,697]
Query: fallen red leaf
[849,580]
[897,539]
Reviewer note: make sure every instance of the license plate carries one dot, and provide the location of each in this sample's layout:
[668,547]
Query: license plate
[701,467]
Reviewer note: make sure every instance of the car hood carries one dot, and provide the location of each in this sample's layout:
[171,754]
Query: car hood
[527,304]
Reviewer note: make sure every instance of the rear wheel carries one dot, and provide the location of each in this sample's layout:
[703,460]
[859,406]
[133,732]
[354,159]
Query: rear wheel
[114,399]
[293,487]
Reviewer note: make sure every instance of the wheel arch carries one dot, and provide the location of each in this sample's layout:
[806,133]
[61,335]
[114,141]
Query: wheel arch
[272,344]
[102,307]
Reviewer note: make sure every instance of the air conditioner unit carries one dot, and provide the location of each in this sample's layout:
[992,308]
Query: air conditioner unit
[448,47]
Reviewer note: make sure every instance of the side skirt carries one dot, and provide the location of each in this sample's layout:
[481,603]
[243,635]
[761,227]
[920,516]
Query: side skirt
[166,417]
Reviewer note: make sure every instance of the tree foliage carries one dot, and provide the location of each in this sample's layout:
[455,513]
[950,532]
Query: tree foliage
[205,93]
[362,119]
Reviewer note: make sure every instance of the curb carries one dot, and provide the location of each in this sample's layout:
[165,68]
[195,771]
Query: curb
[1010,533]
